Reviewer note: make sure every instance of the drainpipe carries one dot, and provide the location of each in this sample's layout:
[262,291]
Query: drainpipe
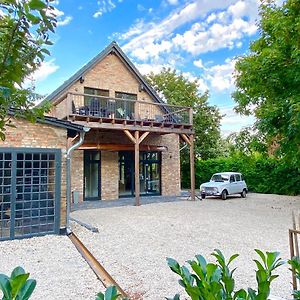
[68,175]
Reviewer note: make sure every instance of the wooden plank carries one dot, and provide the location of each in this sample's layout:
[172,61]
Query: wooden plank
[98,269]
[130,136]
[192,167]
[120,147]
[144,135]
[186,139]
[137,168]
[133,127]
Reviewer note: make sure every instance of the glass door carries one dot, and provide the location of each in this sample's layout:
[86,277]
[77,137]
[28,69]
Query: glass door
[126,174]
[92,187]
[150,174]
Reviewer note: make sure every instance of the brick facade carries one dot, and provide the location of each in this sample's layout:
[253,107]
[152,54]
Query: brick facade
[170,164]
[29,135]
[111,74]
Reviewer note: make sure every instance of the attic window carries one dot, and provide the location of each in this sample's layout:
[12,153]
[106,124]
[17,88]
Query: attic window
[97,92]
[126,96]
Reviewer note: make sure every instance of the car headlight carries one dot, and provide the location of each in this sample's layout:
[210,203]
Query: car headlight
[216,190]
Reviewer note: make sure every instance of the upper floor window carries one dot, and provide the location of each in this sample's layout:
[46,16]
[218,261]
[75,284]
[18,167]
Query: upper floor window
[126,96]
[97,92]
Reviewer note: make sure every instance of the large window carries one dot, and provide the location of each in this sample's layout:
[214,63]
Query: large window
[150,174]
[125,109]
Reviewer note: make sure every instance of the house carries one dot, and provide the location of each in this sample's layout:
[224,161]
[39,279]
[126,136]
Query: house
[131,148]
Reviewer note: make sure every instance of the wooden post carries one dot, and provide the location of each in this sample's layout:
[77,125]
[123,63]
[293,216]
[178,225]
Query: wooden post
[191,116]
[192,167]
[137,168]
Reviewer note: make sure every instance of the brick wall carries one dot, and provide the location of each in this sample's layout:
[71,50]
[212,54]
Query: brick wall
[109,176]
[170,167]
[26,134]
[77,177]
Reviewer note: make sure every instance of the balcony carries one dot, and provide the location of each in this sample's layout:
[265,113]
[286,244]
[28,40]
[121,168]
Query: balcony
[117,113]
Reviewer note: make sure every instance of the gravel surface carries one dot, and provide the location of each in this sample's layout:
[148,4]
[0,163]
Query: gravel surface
[60,271]
[133,242]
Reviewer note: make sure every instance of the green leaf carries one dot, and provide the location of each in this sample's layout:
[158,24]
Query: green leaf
[5,287]
[17,283]
[100,296]
[233,257]
[16,272]
[27,289]
[262,256]
[111,293]
[174,266]
[37,4]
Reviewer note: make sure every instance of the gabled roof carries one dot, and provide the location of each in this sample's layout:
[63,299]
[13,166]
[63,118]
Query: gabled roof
[51,121]
[111,48]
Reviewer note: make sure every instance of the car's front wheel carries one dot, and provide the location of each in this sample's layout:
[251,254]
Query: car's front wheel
[224,195]
[244,193]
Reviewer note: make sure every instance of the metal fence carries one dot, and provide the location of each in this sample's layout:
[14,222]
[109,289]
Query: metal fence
[126,109]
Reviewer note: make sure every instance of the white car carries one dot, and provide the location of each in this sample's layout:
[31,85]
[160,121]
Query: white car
[224,184]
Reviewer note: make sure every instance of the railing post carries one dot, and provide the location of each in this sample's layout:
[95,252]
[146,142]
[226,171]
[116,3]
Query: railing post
[69,106]
[190,116]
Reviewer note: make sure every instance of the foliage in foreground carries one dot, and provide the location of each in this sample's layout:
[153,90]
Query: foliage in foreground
[262,174]
[17,286]
[295,264]
[216,281]
[201,281]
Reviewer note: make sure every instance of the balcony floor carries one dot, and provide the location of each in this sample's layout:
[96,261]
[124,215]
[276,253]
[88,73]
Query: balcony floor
[122,124]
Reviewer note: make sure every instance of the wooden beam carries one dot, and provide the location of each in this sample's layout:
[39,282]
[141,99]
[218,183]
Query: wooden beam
[144,135]
[192,167]
[130,136]
[132,127]
[186,139]
[137,168]
[120,147]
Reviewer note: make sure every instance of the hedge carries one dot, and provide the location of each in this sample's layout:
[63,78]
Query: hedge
[262,174]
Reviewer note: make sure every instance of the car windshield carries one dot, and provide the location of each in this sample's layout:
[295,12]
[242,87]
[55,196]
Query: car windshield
[220,178]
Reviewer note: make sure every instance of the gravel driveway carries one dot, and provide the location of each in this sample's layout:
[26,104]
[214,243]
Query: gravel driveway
[60,271]
[133,242]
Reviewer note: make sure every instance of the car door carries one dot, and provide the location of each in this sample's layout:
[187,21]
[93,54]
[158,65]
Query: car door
[233,185]
[239,183]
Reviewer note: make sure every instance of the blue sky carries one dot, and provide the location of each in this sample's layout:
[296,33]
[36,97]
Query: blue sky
[200,38]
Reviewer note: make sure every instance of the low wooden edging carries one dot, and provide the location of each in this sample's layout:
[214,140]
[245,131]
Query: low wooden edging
[98,269]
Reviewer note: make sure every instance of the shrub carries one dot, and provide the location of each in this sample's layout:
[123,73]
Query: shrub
[17,286]
[215,280]
[262,174]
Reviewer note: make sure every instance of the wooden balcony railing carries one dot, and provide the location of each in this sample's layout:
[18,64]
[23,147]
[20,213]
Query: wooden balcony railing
[124,109]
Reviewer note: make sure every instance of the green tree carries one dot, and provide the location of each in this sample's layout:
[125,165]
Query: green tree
[247,141]
[268,78]
[178,90]
[25,26]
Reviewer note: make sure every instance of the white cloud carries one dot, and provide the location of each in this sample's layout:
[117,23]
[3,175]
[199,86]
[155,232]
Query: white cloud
[173,2]
[215,25]
[46,68]
[232,122]
[64,21]
[199,63]
[220,77]
[105,6]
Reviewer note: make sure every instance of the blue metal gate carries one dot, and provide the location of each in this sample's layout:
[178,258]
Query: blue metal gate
[29,192]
